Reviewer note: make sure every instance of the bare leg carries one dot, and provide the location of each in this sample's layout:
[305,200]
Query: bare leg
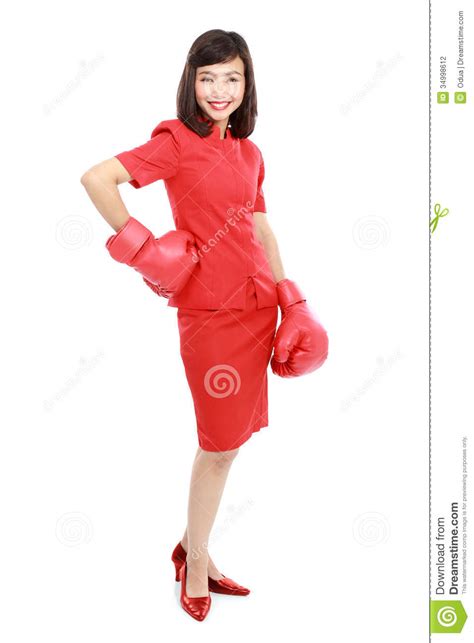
[212,570]
[209,475]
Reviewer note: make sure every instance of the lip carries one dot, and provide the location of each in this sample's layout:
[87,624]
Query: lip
[219,105]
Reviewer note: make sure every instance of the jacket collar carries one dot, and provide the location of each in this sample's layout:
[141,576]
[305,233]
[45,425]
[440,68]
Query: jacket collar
[215,134]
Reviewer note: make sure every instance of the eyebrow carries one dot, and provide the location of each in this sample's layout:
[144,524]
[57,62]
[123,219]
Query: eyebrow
[227,73]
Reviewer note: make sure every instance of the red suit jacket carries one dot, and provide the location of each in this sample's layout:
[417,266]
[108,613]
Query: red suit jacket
[213,186]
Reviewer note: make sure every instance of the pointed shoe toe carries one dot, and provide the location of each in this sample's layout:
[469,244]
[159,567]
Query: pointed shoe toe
[196,606]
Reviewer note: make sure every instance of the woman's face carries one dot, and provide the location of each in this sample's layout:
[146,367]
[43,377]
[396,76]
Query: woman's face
[220,88]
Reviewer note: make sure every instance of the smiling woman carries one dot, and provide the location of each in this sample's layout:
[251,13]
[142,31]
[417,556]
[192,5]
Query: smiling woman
[228,307]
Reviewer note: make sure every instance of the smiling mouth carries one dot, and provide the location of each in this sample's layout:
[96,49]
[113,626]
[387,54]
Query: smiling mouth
[219,104]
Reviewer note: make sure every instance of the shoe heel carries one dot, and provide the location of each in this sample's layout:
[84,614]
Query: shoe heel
[177,567]
[178,557]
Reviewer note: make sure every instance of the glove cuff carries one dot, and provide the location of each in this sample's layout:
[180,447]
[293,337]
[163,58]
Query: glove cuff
[288,293]
[157,289]
[127,241]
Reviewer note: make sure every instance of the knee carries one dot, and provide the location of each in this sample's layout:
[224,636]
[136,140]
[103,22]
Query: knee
[220,459]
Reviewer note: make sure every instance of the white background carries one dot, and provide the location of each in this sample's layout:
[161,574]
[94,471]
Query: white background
[325,512]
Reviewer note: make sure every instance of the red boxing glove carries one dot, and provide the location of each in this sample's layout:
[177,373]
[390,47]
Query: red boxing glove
[165,264]
[301,343]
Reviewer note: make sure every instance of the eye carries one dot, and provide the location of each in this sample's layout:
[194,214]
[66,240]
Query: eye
[204,80]
[236,80]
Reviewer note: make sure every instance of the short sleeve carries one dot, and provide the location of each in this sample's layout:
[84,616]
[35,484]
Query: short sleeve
[156,159]
[260,197]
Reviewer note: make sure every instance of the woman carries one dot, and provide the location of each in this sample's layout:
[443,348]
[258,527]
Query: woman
[228,301]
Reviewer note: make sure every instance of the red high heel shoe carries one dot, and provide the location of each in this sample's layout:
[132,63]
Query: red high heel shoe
[197,606]
[222,586]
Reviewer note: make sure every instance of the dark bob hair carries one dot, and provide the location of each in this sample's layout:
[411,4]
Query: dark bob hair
[212,47]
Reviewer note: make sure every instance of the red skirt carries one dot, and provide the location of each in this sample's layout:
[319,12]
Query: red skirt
[225,355]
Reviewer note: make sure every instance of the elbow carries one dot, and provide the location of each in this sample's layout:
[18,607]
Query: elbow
[93,174]
[98,175]
[85,177]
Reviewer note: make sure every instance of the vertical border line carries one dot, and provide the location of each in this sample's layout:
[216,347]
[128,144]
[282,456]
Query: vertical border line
[429,322]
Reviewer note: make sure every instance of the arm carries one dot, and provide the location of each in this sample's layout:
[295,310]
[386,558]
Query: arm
[301,343]
[165,263]
[101,184]
[156,159]
[267,237]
